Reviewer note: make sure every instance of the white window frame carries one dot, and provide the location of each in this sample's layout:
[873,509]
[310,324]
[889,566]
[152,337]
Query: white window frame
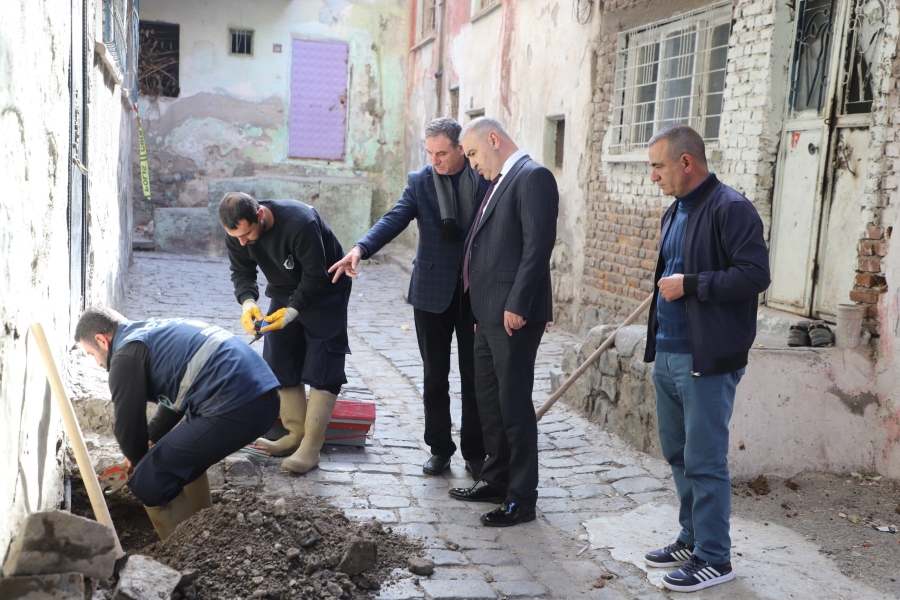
[626,137]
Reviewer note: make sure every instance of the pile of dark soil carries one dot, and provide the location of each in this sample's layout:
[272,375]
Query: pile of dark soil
[251,546]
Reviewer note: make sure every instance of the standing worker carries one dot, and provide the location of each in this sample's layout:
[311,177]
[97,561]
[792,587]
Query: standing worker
[188,368]
[305,327]
[711,268]
[441,197]
[506,269]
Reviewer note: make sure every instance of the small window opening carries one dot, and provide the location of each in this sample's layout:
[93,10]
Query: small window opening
[454,104]
[560,143]
[242,41]
[158,59]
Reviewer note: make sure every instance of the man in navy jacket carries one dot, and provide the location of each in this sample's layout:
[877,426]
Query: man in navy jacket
[442,198]
[711,267]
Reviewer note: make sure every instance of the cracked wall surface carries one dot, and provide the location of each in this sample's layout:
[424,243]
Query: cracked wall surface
[35,236]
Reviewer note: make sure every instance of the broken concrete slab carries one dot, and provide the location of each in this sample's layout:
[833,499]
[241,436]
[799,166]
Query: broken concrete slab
[774,562]
[360,555]
[53,586]
[145,579]
[55,541]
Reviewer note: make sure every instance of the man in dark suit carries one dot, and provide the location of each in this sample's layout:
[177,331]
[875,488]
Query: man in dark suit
[506,271]
[442,198]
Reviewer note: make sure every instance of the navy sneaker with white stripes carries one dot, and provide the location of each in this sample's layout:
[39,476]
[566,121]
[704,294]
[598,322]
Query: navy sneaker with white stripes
[697,574]
[673,555]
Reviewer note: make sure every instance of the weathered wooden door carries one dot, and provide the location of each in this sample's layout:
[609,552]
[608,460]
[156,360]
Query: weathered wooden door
[816,213]
[318,121]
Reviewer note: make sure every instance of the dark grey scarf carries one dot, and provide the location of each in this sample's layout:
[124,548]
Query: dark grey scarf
[456,212]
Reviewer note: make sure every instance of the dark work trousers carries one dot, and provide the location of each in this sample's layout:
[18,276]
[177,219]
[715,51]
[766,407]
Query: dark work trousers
[504,378]
[312,348]
[435,334]
[197,443]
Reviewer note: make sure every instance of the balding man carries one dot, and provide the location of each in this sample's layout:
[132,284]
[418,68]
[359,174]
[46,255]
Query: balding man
[442,198]
[711,267]
[506,271]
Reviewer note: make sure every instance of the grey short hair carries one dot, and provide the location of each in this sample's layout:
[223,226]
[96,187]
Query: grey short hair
[482,125]
[445,126]
[683,139]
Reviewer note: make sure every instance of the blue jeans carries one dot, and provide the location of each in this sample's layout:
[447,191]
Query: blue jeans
[693,415]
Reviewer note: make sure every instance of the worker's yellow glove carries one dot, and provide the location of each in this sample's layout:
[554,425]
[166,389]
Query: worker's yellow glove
[279,319]
[251,313]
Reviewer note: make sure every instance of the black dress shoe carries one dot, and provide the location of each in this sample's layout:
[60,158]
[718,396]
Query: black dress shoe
[474,466]
[437,464]
[480,492]
[508,514]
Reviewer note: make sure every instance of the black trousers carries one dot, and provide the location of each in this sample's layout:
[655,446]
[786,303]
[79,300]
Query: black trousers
[435,334]
[504,377]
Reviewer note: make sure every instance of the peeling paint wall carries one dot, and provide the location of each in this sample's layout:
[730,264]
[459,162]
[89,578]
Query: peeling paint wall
[525,64]
[231,118]
[34,235]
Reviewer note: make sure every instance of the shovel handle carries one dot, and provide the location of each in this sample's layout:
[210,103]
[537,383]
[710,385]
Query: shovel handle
[73,430]
[592,359]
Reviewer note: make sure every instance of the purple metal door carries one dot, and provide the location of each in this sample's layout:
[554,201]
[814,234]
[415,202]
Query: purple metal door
[318,121]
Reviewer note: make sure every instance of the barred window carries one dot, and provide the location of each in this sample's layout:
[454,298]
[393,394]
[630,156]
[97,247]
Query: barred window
[242,41]
[672,71]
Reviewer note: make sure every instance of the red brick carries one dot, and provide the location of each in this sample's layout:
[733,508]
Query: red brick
[871,265]
[865,280]
[881,249]
[874,232]
[866,249]
[864,297]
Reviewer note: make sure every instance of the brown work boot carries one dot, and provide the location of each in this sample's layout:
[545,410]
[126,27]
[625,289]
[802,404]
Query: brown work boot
[293,417]
[197,493]
[166,518]
[318,415]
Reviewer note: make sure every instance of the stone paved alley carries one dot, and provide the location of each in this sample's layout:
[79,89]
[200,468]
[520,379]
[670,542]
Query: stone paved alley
[587,475]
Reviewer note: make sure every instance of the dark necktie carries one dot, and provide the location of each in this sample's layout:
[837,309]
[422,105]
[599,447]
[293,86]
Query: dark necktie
[487,197]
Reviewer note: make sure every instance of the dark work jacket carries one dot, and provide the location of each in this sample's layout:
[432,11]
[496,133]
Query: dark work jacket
[191,367]
[294,256]
[726,266]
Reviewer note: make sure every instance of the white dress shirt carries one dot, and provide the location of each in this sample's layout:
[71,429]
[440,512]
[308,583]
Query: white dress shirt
[513,159]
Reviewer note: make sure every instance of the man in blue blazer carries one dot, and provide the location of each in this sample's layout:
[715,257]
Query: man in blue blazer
[442,198]
[506,270]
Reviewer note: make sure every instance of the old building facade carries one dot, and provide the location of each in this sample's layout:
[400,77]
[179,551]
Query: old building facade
[65,229]
[293,99]
[797,103]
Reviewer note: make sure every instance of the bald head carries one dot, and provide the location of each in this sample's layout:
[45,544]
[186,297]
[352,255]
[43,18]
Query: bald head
[487,146]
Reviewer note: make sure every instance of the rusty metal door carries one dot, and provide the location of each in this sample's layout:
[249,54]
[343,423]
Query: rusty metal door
[816,213]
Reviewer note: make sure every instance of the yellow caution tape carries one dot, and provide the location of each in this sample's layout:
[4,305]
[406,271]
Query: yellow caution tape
[145,166]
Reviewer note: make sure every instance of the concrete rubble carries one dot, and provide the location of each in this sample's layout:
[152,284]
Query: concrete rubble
[145,579]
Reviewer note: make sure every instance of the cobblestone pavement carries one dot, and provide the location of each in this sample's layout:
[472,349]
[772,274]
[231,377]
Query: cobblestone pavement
[585,472]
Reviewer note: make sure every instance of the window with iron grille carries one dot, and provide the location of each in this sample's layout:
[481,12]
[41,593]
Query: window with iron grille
[115,36]
[159,59]
[453,111]
[427,18]
[672,71]
[560,143]
[242,41]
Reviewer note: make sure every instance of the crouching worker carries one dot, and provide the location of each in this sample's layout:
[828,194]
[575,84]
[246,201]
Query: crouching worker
[225,393]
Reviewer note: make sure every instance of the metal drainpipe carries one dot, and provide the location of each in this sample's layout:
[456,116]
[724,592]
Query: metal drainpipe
[439,75]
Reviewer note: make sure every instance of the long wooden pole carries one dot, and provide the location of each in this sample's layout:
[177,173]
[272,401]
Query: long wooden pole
[592,359]
[98,503]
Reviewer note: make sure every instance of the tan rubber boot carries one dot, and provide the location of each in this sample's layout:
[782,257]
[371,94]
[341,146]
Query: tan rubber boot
[197,493]
[318,415]
[167,517]
[293,417]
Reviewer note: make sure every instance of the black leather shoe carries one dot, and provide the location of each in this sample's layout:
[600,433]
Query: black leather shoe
[508,514]
[474,466]
[437,464]
[480,492]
